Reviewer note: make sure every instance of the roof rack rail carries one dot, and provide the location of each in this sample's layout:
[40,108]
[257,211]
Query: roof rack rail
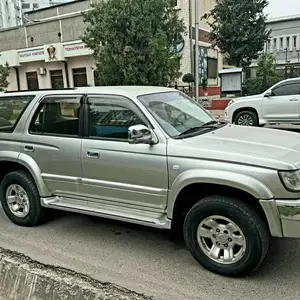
[37,90]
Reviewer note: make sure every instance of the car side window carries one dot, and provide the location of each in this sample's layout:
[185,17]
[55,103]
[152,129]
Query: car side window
[11,110]
[287,89]
[111,117]
[57,116]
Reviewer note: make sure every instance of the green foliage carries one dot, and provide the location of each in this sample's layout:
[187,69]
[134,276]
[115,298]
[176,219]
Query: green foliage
[266,60]
[204,83]
[4,73]
[133,41]
[188,78]
[239,29]
[255,85]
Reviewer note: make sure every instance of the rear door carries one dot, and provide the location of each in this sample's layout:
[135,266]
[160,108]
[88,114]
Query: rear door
[283,105]
[54,140]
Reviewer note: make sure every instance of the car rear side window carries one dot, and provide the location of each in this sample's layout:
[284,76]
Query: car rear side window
[11,110]
[57,116]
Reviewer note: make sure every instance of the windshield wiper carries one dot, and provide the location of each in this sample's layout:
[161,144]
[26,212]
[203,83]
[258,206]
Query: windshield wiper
[210,124]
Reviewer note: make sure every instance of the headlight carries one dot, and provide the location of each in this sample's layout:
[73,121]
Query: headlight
[290,180]
[231,102]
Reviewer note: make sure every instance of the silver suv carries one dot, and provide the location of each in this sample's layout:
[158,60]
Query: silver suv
[151,156]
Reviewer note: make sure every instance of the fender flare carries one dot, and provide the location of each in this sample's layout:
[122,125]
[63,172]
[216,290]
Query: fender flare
[29,163]
[239,181]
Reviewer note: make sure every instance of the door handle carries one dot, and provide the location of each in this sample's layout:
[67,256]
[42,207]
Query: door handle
[294,99]
[29,148]
[92,154]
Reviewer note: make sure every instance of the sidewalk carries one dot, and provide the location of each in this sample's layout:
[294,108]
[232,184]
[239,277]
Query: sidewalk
[218,114]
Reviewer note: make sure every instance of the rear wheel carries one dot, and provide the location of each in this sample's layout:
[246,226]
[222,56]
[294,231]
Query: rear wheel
[246,118]
[226,236]
[20,199]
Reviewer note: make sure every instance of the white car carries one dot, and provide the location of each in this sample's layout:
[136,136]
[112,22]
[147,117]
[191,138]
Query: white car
[279,104]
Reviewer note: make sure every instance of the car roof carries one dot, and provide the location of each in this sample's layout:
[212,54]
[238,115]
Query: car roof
[129,91]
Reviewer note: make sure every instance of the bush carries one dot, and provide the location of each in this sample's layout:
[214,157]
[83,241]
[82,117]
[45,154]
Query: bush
[254,86]
[188,78]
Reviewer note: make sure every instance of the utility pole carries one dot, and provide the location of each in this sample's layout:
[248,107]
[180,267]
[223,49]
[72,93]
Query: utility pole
[265,66]
[286,62]
[191,37]
[298,52]
[197,49]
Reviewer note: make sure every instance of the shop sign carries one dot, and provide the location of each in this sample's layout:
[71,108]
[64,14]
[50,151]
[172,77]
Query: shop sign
[31,55]
[76,49]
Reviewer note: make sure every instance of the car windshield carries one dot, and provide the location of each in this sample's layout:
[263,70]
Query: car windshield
[175,112]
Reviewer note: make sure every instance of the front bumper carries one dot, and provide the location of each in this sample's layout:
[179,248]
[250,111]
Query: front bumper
[283,217]
[289,213]
[227,118]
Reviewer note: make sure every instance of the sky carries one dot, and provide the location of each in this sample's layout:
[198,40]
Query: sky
[278,8]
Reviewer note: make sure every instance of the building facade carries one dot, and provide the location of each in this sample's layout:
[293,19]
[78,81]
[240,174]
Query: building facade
[29,5]
[48,53]
[10,13]
[284,44]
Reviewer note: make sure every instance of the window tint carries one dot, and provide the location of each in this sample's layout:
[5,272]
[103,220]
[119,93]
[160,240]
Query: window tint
[286,89]
[11,110]
[111,119]
[57,116]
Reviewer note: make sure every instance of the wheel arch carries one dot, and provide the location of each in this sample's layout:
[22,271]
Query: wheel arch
[11,161]
[247,108]
[197,185]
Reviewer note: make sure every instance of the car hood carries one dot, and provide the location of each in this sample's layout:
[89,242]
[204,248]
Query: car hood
[265,147]
[246,98]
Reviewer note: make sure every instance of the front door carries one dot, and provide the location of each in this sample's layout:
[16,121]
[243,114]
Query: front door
[115,171]
[283,105]
[53,141]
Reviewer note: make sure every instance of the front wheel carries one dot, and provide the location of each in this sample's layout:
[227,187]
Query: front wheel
[246,118]
[226,236]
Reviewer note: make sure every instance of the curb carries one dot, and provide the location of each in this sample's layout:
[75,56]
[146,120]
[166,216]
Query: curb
[22,278]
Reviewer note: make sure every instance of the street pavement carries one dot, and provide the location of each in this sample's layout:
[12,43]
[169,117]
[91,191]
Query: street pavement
[147,261]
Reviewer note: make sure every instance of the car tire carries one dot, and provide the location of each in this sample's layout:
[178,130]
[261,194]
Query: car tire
[236,246]
[24,206]
[246,117]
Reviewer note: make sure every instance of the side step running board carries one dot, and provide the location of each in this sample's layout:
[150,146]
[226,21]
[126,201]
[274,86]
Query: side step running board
[104,210]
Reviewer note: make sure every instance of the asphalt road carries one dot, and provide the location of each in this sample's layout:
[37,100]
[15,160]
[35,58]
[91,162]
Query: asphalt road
[147,261]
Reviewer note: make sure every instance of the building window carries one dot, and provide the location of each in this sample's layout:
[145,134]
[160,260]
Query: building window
[281,43]
[294,42]
[35,5]
[288,42]
[79,77]
[57,79]
[274,43]
[26,5]
[212,68]
[32,81]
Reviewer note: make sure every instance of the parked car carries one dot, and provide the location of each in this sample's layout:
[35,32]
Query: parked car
[152,156]
[278,105]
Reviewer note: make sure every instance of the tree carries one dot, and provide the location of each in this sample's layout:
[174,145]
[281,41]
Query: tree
[4,73]
[266,65]
[134,41]
[267,62]
[239,29]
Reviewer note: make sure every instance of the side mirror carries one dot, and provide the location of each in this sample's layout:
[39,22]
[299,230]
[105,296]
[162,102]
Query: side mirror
[140,134]
[268,94]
